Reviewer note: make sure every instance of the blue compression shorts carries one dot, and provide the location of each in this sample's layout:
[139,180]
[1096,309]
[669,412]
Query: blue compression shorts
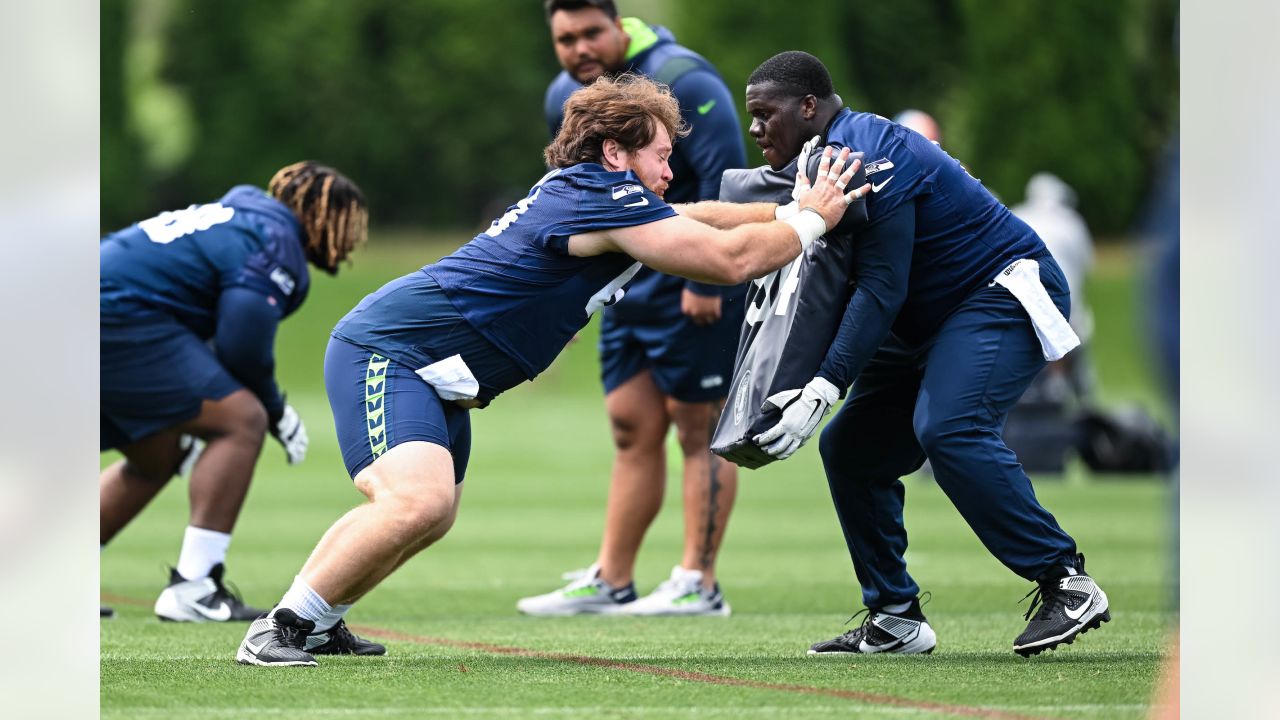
[379,403]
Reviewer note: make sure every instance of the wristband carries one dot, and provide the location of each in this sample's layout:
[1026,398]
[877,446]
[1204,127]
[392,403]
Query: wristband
[785,211]
[809,226]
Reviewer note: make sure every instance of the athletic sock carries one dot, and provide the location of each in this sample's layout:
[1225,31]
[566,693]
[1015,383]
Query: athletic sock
[896,609]
[201,550]
[305,602]
[331,618]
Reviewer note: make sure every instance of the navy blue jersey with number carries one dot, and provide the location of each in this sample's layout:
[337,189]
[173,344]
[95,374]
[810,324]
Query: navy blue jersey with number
[180,262]
[516,283]
[713,145]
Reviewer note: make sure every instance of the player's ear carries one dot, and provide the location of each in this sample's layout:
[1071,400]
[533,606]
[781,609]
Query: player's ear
[612,155]
[808,107]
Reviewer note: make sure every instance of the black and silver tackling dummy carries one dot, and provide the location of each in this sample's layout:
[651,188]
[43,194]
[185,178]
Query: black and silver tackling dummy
[792,315]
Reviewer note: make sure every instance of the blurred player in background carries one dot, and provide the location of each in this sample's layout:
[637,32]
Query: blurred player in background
[957,307]
[922,122]
[189,302]
[405,366]
[1050,209]
[667,348]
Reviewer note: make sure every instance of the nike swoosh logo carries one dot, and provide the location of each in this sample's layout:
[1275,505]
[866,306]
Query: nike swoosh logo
[705,107]
[1079,613]
[222,613]
[639,203]
[876,188]
[255,649]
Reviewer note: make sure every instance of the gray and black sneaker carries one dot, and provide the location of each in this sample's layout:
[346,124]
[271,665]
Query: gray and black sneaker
[906,633]
[205,599]
[277,640]
[1070,604]
[588,595]
[339,640]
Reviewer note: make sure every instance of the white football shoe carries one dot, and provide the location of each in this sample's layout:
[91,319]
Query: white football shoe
[587,595]
[682,594]
[205,599]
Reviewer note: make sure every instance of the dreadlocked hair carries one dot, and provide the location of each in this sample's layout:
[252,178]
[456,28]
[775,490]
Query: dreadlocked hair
[331,208]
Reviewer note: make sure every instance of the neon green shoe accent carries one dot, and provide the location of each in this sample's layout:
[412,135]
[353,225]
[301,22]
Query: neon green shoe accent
[686,599]
[642,36]
[584,591]
[705,107]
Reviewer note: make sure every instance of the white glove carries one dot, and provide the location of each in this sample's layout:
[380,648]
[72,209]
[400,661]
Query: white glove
[802,166]
[292,434]
[802,410]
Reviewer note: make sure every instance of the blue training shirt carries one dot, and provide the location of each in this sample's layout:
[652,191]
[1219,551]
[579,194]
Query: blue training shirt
[180,262]
[228,270]
[697,162]
[516,283]
[957,236]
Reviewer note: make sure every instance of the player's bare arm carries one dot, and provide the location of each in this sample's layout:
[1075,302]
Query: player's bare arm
[686,247]
[727,215]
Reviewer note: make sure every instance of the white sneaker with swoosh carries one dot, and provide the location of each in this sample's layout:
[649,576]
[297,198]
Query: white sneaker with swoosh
[205,599]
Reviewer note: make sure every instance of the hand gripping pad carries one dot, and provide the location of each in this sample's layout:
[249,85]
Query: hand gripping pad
[792,315]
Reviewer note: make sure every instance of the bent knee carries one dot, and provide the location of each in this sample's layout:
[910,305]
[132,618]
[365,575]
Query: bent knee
[157,473]
[637,433]
[418,516]
[936,436]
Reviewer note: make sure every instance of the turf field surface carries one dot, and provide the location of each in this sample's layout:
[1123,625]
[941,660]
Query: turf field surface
[533,508]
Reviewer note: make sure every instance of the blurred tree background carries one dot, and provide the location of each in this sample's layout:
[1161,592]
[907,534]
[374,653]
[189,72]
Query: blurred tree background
[435,106]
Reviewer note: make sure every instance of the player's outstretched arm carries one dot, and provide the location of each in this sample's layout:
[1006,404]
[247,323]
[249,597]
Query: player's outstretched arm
[686,247]
[727,215]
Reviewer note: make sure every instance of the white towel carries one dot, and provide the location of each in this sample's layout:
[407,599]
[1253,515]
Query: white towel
[451,378]
[1022,278]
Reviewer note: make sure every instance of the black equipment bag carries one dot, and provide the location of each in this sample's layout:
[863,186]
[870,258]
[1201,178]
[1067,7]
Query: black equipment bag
[792,315]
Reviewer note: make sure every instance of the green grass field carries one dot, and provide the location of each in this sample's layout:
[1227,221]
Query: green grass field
[533,508]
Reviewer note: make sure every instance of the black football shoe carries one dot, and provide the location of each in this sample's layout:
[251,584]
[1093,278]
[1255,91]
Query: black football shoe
[1070,604]
[105,613]
[206,599]
[906,633]
[277,641]
[339,640]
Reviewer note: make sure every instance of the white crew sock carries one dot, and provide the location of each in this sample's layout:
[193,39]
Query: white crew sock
[201,550]
[305,602]
[896,609]
[331,618]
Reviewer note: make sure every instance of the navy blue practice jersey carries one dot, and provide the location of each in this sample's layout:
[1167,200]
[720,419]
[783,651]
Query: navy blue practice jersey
[516,283]
[963,235]
[180,262]
[713,145]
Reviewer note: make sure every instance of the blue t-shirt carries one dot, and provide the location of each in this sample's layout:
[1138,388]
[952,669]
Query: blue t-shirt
[515,283]
[713,145]
[180,262]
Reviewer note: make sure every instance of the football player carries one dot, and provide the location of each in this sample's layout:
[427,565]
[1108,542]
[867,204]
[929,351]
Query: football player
[958,305]
[667,348]
[189,303]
